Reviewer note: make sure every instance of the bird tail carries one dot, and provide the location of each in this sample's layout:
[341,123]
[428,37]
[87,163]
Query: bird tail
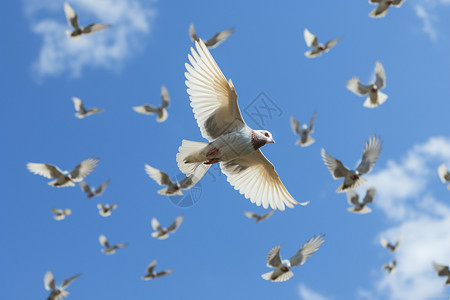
[165,192]
[311,54]
[277,277]
[55,183]
[159,237]
[365,210]
[267,275]
[308,142]
[381,98]
[162,115]
[188,159]
[345,186]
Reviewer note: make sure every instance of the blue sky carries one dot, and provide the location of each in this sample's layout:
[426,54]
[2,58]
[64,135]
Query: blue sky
[217,252]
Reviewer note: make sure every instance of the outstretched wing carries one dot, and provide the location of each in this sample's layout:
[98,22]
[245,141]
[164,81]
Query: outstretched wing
[145,109]
[355,86]
[273,257]
[49,281]
[295,125]
[165,99]
[307,250]
[160,177]
[335,166]
[155,225]
[174,226]
[332,43]
[78,104]
[103,241]
[441,270]
[83,169]
[69,280]
[352,197]
[312,121]
[94,28]
[151,267]
[102,188]
[370,195]
[380,75]
[310,39]
[219,38]
[192,33]
[71,16]
[46,170]
[372,150]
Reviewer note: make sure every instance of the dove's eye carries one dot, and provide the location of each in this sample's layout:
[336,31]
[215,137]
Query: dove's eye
[266,134]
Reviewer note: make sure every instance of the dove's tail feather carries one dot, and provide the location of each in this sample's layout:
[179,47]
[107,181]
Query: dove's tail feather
[308,142]
[345,186]
[165,191]
[267,275]
[162,115]
[312,53]
[188,159]
[277,277]
[56,183]
[381,98]
[365,210]
[157,235]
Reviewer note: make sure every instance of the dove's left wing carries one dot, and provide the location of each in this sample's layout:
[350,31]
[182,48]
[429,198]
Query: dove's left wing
[332,43]
[372,150]
[159,176]
[192,33]
[370,195]
[355,86]
[83,169]
[310,39]
[219,38]
[251,215]
[103,241]
[163,273]
[102,188]
[165,99]
[71,16]
[295,125]
[69,280]
[273,257]
[49,281]
[174,226]
[335,166]
[188,182]
[94,28]
[312,121]
[268,215]
[86,188]
[380,75]
[352,197]
[307,250]
[78,104]
[45,170]
[155,225]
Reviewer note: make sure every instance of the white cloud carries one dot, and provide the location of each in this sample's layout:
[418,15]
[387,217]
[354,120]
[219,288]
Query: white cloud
[426,18]
[308,294]
[130,21]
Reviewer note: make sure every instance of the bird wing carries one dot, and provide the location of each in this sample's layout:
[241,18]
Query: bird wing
[69,280]
[332,43]
[295,125]
[49,281]
[192,33]
[307,250]
[219,38]
[188,182]
[119,246]
[213,98]
[441,270]
[352,197]
[357,87]
[176,223]
[165,99]
[310,39]
[56,211]
[160,177]
[398,3]
[370,195]
[46,170]
[155,225]
[444,175]
[103,241]
[83,169]
[268,215]
[251,215]
[374,1]
[371,151]
[102,188]
[380,75]
[312,121]
[151,267]
[335,166]
[273,257]
[94,28]
[163,273]
[145,109]
[78,104]
[384,242]
[71,16]
[85,188]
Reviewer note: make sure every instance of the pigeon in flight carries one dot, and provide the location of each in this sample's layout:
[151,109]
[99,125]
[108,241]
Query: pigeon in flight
[163,233]
[317,49]
[282,267]
[161,111]
[360,208]
[60,214]
[353,178]
[77,31]
[444,174]
[389,246]
[151,273]
[376,97]
[64,178]
[390,267]
[57,293]
[91,191]
[231,142]
[258,218]
[108,248]
[442,270]
[105,210]
[213,42]
[173,188]
[304,131]
[83,112]
[383,5]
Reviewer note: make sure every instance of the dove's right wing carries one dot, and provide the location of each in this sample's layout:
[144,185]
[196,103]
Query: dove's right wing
[46,170]
[268,215]
[251,215]
[165,99]
[441,270]
[188,182]
[71,16]
[384,242]
[307,250]
[155,225]
[85,187]
[78,104]
[332,43]
[273,257]
[49,281]
[312,121]
[69,280]
[219,38]
[444,175]
[103,241]
[83,169]
[163,273]
[370,195]
[355,86]
[160,177]
[295,125]
[310,39]
[174,226]
[102,187]
[192,33]
[380,75]
[352,197]
[372,150]
[151,267]
[94,28]
[335,166]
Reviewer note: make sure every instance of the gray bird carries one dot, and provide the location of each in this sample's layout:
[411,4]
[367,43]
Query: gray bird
[83,112]
[108,248]
[390,267]
[304,131]
[91,191]
[105,210]
[173,188]
[358,207]
[151,273]
[442,270]
[353,178]
[160,111]
[282,267]
[383,6]
[258,218]
[444,175]
[317,49]
[77,31]
[163,233]
[387,245]
[63,178]
[376,97]
[213,42]
[57,293]
[60,214]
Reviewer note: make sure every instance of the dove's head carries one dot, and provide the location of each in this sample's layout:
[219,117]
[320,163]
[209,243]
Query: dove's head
[264,135]
[304,126]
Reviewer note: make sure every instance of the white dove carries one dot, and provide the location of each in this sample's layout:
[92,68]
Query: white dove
[387,245]
[72,19]
[57,293]
[83,112]
[231,142]
[105,210]
[258,218]
[108,248]
[91,191]
[163,233]
[161,111]
[376,97]
[444,175]
[60,214]
[173,188]
[213,42]
[390,267]
[357,207]
[383,5]
[442,270]
[317,49]
[64,178]
[282,271]
[151,273]
[304,131]
[353,178]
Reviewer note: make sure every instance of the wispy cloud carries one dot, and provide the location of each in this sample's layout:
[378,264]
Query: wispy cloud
[308,294]
[427,19]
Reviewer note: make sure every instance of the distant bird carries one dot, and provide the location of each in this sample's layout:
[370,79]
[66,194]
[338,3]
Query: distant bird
[317,49]
[304,131]
[64,178]
[258,218]
[390,267]
[442,270]
[444,174]
[108,248]
[387,245]
[213,42]
[282,271]
[383,5]
[57,293]
[353,178]
[83,112]
[161,111]
[151,273]
[60,214]
[91,191]
[360,208]
[72,19]
[376,97]
[173,188]
[231,142]
[105,210]
[163,233]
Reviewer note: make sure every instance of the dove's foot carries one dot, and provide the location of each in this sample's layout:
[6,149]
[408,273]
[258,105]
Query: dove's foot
[212,161]
[212,152]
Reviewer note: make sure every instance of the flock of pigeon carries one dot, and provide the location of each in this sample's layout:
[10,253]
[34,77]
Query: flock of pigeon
[236,147]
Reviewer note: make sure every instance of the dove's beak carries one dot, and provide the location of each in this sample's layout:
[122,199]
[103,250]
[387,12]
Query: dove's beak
[272,141]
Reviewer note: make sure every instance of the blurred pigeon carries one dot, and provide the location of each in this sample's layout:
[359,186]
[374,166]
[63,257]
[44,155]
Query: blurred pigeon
[91,191]
[360,208]
[282,271]
[161,111]
[108,248]
[231,142]
[64,178]
[258,218]
[173,188]
[163,233]
[353,178]
[151,273]
[304,131]
[444,174]
[72,19]
[389,246]
[442,270]
[317,49]
[373,89]
[390,267]
[57,293]
[105,210]
[383,5]
[83,112]
[213,42]
[60,214]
